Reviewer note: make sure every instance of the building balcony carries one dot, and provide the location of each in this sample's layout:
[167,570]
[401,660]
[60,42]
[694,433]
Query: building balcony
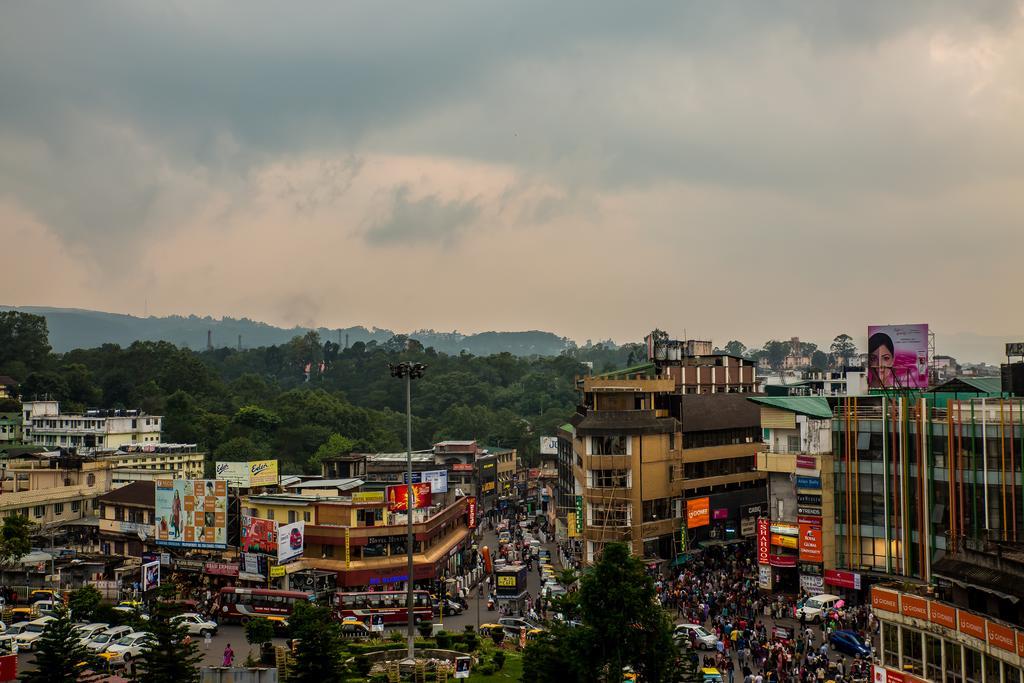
[637,385]
[602,494]
[722,480]
[607,534]
[618,422]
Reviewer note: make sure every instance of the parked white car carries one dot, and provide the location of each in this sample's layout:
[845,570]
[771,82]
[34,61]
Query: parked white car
[128,648]
[196,624]
[32,632]
[705,639]
[104,639]
[86,632]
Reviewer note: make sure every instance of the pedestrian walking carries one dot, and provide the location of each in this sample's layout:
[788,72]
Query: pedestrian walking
[229,656]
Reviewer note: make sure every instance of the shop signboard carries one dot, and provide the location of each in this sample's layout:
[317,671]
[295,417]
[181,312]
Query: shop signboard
[150,575]
[683,540]
[462,467]
[191,513]
[549,445]
[698,512]
[811,520]
[258,535]
[806,462]
[186,565]
[763,540]
[812,585]
[471,512]
[748,527]
[814,512]
[579,515]
[348,548]
[784,541]
[764,577]
[248,474]
[782,560]
[398,496]
[220,569]
[785,528]
[720,513]
[438,479]
[291,539]
[368,497]
[571,525]
[808,482]
[808,499]
[811,543]
[276,572]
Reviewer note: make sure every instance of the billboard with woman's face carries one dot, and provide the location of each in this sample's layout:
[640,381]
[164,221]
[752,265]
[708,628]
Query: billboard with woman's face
[898,356]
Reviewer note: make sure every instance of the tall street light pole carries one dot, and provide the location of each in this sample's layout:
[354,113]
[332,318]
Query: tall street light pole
[409,372]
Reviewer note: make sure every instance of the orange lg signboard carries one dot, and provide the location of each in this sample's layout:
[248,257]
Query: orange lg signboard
[698,513]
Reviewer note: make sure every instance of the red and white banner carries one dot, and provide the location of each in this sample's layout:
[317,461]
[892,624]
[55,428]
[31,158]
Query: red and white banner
[763,540]
[471,512]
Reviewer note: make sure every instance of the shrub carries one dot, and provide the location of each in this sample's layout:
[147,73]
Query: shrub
[471,642]
[395,636]
[497,635]
[485,669]
[444,640]
[425,628]
[363,665]
[499,660]
[470,628]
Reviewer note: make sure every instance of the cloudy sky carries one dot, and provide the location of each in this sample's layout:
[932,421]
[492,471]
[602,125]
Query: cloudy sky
[744,170]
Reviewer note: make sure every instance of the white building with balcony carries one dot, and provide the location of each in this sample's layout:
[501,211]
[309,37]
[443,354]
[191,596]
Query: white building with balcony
[45,425]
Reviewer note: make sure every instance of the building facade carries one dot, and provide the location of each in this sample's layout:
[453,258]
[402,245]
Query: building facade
[45,425]
[796,542]
[916,483]
[127,519]
[648,456]
[169,460]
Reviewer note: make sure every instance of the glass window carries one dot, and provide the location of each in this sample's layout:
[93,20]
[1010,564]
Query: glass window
[305,516]
[608,445]
[933,653]
[913,659]
[890,645]
[953,672]
[292,516]
[39,510]
[972,665]
[270,514]
[1012,674]
[991,669]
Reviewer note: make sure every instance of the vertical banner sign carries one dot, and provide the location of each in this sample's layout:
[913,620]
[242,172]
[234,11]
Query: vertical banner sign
[150,575]
[471,512]
[810,543]
[579,515]
[348,548]
[682,537]
[570,522]
[763,540]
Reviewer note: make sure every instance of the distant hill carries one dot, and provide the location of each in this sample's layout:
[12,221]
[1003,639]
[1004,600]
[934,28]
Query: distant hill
[73,328]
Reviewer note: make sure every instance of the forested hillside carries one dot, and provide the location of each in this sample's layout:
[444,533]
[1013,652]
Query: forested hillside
[261,402]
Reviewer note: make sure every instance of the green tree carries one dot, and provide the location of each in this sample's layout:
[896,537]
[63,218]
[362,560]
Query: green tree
[240,448]
[335,445]
[256,418]
[258,632]
[24,343]
[843,348]
[776,352]
[624,626]
[60,657]
[83,602]
[318,657]
[735,348]
[170,656]
[15,539]
[819,360]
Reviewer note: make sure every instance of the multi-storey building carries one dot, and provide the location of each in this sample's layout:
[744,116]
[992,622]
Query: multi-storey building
[796,541]
[644,451]
[505,463]
[156,461]
[364,544]
[917,483]
[53,491]
[127,517]
[8,388]
[45,425]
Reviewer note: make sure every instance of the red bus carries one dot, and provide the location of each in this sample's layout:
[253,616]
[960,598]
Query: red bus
[389,605]
[242,604]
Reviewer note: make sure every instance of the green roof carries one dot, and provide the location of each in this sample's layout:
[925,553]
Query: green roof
[641,369]
[983,385]
[811,406]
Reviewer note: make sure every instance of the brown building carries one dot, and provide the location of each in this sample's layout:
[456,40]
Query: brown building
[127,519]
[646,451]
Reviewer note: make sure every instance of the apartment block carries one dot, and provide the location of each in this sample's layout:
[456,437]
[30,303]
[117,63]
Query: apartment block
[45,425]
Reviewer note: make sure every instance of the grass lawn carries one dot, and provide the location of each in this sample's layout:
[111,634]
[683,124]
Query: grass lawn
[512,671]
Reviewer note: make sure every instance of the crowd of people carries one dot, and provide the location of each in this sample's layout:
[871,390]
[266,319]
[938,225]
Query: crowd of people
[717,589]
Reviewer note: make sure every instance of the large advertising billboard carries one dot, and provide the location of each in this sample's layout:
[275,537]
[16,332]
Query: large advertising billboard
[438,479]
[248,474]
[898,356]
[192,512]
[398,501]
[549,445]
[258,535]
[290,541]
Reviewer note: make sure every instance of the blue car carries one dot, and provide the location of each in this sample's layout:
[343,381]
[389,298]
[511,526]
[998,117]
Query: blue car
[849,643]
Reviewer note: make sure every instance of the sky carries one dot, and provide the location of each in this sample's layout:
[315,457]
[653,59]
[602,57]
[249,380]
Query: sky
[747,170]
